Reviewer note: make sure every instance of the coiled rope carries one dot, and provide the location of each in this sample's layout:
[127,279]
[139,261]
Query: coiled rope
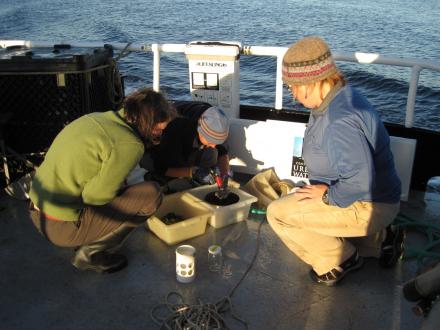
[427,228]
[114,81]
[200,316]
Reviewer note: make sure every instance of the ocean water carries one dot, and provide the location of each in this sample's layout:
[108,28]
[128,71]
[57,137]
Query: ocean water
[398,28]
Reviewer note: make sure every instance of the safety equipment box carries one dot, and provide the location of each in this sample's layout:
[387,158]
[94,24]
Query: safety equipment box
[194,213]
[214,74]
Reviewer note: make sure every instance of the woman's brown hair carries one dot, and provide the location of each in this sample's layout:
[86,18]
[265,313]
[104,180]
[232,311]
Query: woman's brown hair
[145,108]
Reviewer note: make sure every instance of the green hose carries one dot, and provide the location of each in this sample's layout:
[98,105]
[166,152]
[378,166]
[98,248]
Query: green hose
[430,230]
[257,211]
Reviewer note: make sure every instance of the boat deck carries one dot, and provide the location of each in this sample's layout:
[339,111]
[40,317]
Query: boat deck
[41,290]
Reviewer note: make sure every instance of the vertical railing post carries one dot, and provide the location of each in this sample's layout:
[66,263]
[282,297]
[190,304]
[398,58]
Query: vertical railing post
[411,101]
[156,67]
[279,83]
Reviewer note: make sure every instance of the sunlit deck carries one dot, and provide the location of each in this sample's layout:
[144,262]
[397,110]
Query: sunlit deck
[41,290]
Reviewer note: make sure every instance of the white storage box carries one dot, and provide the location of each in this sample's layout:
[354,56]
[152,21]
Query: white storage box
[225,215]
[194,212]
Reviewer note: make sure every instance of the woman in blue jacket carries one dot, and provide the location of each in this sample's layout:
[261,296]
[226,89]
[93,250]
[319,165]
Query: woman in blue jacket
[354,189]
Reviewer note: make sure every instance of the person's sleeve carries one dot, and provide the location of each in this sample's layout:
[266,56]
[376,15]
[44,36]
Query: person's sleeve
[102,188]
[351,156]
[222,149]
[175,147]
[169,152]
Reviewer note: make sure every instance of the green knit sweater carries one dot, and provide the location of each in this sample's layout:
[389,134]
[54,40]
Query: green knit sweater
[86,165]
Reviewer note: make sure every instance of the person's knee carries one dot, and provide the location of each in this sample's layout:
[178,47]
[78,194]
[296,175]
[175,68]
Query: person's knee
[280,214]
[271,213]
[150,196]
[153,195]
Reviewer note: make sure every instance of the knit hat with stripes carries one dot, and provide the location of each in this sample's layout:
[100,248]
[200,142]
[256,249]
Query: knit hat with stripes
[307,61]
[214,125]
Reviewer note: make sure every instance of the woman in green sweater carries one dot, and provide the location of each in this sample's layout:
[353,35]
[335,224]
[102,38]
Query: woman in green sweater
[78,195]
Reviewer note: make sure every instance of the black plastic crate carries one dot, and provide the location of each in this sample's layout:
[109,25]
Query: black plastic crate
[60,58]
[42,90]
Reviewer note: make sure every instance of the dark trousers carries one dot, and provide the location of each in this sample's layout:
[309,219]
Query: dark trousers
[131,208]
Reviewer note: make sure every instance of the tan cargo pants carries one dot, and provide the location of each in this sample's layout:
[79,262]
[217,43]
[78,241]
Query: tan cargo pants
[324,236]
[131,208]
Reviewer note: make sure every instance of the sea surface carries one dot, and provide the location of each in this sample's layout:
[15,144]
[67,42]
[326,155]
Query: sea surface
[397,28]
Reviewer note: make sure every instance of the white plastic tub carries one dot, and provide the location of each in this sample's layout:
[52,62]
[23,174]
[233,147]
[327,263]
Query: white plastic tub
[194,212]
[225,215]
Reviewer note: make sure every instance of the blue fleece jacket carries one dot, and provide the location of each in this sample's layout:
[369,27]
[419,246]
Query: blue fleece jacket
[347,147]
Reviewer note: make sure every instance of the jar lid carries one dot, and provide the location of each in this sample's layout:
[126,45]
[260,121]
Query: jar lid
[215,249]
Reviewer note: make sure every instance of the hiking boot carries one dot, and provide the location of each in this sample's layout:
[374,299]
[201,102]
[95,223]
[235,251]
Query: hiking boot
[336,274]
[100,255]
[101,262]
[392,247]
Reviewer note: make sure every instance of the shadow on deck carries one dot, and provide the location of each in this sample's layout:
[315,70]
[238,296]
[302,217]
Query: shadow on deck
[41,290]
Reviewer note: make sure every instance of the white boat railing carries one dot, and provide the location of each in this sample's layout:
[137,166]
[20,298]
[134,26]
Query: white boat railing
[365,58]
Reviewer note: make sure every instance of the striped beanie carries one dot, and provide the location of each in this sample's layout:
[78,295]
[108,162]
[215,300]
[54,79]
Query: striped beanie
[307,61]
[214,125]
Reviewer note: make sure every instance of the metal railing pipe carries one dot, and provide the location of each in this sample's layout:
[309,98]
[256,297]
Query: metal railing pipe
[411,100]
[279,84]
[156,67]
[357,57]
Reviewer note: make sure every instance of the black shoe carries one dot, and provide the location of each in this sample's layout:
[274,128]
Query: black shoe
[410,291]
[336,274]
[392,247]
[100,255]
[101,262]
